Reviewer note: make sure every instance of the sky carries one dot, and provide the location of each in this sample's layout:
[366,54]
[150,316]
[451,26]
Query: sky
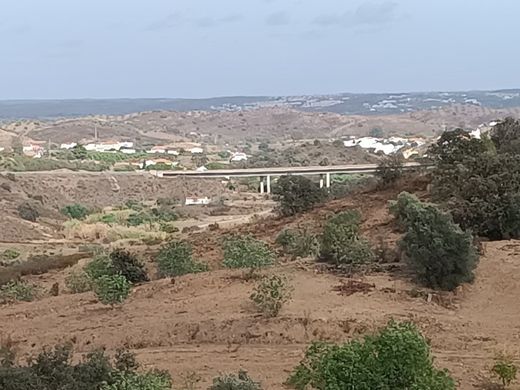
[52,49]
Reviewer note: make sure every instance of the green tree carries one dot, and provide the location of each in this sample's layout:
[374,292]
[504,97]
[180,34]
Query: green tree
[112,289]
[297,194]
[341,243]
[441,254]
[271,294]
[79,152]
[506,136]
[127,264]
[396,358]
[389,170]
[176,259]
[247,252]
[75,211]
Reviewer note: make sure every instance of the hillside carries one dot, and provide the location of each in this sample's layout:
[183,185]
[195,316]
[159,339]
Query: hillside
[265,124]
[343,103]
[204,323]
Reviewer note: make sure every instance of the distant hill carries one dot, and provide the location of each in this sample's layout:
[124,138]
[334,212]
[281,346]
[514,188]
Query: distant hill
[345,103]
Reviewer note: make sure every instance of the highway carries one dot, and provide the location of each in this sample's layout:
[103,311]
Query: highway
[281,171]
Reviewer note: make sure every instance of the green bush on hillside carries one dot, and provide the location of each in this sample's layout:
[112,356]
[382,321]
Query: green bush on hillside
[247,252]
[397,357]
[440,252]
[341,243]
[75,211]
[128,265]
[297,194]
[298,243]
[111,289]
[242,381]
[176,259]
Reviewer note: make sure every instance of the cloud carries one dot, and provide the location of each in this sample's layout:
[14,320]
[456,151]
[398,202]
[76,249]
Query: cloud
[367,14]
[169,21]
[277,19]
[176,19]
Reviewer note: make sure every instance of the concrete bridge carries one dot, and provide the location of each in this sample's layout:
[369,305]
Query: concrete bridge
[265,174]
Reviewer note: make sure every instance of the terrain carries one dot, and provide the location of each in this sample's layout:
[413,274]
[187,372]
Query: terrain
[342,103]
[204,323]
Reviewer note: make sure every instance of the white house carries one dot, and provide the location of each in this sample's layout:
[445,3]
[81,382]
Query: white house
[173,152]
[2,148]
[68,145]
[157,150]
[191,201]
[128,151]
[238,157]
[33,150]
[201,169]
[375,144]
[197,150]
[109,145]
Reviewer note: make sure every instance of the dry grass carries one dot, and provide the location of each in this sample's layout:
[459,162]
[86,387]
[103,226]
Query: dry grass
[110,233]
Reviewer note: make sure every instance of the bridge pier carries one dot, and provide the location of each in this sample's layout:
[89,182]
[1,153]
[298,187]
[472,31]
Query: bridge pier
[321,181]
[268,184]
[262,190]
[327,179]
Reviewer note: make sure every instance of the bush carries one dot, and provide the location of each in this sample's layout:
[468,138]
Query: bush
[298,243]
[111,289]
[10,254]
[506,136]
[54,369]
[75,211]
[100,266]
[128,265]
[440,252]
[479,187]
[136,219]
[176,259]
[341,243]
[242,381]
[389,170]
[17,291]
[270,295]
[78,282]
[154,380]
[397,358]
[247,252]
[504,369]
[28,212]
[297,194]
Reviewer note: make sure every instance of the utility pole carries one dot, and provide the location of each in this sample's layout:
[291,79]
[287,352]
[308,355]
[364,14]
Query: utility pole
[95,132]
[49,148]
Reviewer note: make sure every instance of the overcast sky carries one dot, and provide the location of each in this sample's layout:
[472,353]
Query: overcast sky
[203,48]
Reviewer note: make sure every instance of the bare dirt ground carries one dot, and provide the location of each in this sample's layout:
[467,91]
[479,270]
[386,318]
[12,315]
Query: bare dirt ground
[206,324]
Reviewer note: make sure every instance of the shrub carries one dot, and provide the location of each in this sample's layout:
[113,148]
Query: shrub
[389,170]
[98,267]
[341,243]
[440,252]
[136,219]
[78,282]
[506,136]
[479,187]
[504,369]
[17,291]
[111,289]
[128,265]
[75,211]
[108,218]
[10,254]
[270,294]
[397,357]
[176,259]
[28,212]
[297,194]
[164,214]
[154,380]
[247,252]
[298,243]
[376,132]
[242,381]
[54,369]
[168,228]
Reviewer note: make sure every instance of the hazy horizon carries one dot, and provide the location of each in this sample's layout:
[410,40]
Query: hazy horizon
[59,50]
